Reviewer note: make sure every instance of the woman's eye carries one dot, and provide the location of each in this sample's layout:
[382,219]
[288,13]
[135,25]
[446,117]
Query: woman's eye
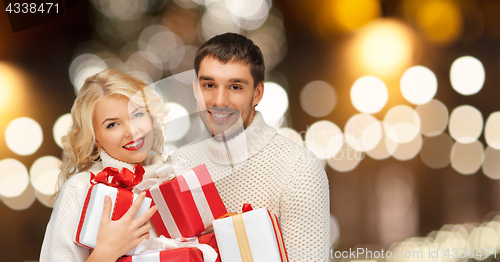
[137,115]
[111,125]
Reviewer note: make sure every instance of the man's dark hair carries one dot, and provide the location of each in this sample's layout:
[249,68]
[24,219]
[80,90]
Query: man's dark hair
[231,47]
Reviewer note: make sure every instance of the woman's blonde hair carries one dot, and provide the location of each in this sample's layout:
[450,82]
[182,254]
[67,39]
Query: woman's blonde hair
[80,151]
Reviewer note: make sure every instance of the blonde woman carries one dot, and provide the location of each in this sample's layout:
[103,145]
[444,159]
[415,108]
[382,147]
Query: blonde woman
[117,122]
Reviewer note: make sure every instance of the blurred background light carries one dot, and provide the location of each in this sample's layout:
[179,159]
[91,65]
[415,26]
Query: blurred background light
[440,20]
[433,117]
[61,128]
[466,159]
[346,159]
[418,85]
[436,150]
[13,179]
[318,99]
[83,66]
[491,165]
[363,132]
[292,135]
[381,151]
[492,130]
[23,201]
[179,122]
[408,150]
[274,103]
[23,136]
[384,47]
[369,94]
[44,174]
[401,124]
[467,75]
[349,15]
[466,124]
[324,139]
[11,81]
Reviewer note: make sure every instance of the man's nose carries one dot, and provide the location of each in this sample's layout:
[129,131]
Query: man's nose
[221,97]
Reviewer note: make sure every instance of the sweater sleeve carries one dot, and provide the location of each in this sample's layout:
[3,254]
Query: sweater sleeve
[58,242]
[305,211]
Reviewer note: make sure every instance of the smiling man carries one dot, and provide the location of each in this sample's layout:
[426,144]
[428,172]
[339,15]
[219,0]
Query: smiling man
[248,160]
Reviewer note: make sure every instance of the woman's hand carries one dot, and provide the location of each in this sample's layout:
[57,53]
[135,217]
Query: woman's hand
[116,238]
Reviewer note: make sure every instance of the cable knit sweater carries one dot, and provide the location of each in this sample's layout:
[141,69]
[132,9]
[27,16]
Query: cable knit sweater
[263,168]
[58,242]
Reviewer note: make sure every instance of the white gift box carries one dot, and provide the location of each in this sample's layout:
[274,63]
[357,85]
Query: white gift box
[256,232]
[90,216]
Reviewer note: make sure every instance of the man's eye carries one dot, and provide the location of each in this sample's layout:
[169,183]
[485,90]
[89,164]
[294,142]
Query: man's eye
[209,85]
[137,115]
[111,125]
[235,87]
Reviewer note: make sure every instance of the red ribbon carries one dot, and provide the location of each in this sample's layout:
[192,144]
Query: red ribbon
[121,179]
[246,207]
[124,181]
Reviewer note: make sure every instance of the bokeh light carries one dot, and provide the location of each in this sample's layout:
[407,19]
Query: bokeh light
[440,21]
[44,174]
[246,8]
[467,75]
[363,132]
[384,149]
[318,99]
[23,201]
[384,47]
[178,123]
[433,117]
[11,81]
[401,124]
[350,15]
[492,130]
[324,139]
[61,128]
[13,179]
[491,165]
[23,136]
[369,94]
[466,124]
[418,85]
[346,159]
[292,135]
[436,150]
[274,103]
[83,66]
[407,151]
[466,159]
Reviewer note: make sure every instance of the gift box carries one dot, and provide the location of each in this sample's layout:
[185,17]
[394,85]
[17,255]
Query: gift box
[187,204]
[209,239]
[119,189]
[252,236]
[175,255]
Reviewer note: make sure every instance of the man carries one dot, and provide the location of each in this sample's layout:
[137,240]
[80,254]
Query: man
[248,160]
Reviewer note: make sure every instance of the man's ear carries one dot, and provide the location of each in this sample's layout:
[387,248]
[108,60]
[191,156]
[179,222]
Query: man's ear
[258,93]
[196,87]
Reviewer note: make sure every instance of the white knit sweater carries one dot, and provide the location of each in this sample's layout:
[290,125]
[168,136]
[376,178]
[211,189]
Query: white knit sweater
[265,169]
[58,242]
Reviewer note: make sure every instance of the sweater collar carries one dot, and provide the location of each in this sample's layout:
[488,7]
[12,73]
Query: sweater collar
[244,145]
[153,160]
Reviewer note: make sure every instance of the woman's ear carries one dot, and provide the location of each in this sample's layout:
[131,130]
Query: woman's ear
[97,144]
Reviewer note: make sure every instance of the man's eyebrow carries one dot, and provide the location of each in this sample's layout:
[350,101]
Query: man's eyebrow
[205,78]
[109,119]
[238,80]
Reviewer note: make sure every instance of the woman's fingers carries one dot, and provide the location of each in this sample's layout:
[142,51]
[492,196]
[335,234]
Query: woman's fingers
[106,209]
[144,218]
[135,206]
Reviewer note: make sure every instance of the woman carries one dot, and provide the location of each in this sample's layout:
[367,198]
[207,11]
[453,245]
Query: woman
[117,122]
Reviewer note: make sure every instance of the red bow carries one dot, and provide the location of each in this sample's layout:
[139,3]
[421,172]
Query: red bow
[121,179]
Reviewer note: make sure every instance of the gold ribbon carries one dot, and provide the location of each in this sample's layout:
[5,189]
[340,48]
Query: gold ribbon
[241,236]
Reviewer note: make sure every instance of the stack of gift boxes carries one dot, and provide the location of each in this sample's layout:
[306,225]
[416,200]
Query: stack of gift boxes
[188,204]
